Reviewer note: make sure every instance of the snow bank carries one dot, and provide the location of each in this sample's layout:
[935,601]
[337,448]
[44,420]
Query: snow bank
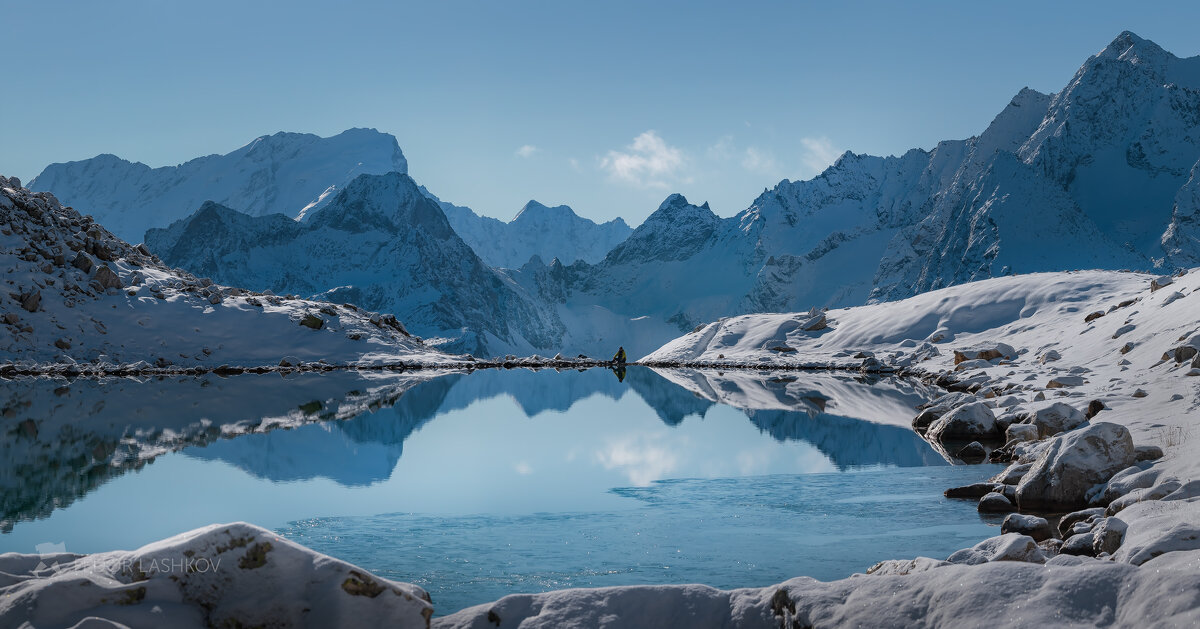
[74,293]
[224,575]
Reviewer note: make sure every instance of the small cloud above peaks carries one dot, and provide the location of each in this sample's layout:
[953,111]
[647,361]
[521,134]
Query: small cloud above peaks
[526,151]
[649,162]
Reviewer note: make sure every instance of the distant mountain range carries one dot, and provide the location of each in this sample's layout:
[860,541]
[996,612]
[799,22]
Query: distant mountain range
[1102,174]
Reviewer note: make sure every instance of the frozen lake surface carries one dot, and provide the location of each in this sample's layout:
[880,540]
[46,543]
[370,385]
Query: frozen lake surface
[479,485]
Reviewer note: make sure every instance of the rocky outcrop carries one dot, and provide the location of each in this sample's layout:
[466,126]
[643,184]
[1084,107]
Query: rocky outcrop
[1070,464]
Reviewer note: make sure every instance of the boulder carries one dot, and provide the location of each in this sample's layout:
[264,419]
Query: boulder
[1012,474]
[1007,547]
[1062,382]
[1093,316]
[107,278]
[973,452]
[1081,544]
[1094,408]
[312,321]
[1071,463]
[1108,534]
[987,351]
[1068,521]
[977,490]
[1148,453]
[1031,525]
[1160,282]
[995,502]
[31,301]
[815,323]
[83,262]
[969,421]
[1056,418]
[1021,432]
[1138,476]
[1049,356]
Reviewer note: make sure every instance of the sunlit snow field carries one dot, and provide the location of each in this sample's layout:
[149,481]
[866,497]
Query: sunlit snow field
[476,486]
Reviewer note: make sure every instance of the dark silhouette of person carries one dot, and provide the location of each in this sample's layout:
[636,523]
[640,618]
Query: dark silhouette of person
[619,357]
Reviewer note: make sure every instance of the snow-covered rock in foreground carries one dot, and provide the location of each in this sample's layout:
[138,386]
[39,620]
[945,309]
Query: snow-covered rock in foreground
[284,173]
[223,575]
[74,293]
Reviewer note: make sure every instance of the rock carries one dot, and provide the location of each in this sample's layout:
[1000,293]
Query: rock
[1031,525]
[312,321]
[11,318]
[1123,330]
[1071,463]
[989,351]
[1060,382]
[1139,476]
[1012,474]
[107,278]
[1007,547]
[1180,354]
[83,262]
[969,421]
[973,452]
[1071,519]
[995,502]
[1148,453]
[977,490]
[977,363]
[1163,489]
[1126,348]
[1056,418]
[1108,534]
[1081,544]
[31,301]
[289,361]
[905,566]
[1140,393]
[1160,282]
[214,299]
[921,422]
[1049,357]
[1021,432]
[1039,397]
[815,323]
[1094,407]
[1093,316]
[63,344]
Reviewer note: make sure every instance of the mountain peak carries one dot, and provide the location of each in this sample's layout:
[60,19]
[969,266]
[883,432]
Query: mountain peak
[1128,46]
[535,210]
[676,200]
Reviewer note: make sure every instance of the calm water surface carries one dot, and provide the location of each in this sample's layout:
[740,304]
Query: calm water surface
[479,485]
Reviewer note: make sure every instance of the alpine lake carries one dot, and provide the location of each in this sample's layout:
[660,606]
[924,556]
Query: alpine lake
[477,485]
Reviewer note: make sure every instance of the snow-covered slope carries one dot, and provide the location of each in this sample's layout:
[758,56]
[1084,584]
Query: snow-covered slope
[285,173]
[378,243]
[74,293]
[537,230]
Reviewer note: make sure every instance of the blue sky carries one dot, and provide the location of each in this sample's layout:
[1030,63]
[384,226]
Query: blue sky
[605,106]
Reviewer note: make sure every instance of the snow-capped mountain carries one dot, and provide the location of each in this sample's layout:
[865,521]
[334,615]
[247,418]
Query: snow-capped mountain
[379,242]
[537,230]
[284,173]
[1099,175]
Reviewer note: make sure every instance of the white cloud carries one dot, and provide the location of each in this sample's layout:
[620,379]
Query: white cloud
[759,161]
[523,468]
[527,151]
[819,154]
[574,165]
[647,163]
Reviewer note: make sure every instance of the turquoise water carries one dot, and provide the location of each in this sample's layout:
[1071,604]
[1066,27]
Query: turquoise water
[476,486]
